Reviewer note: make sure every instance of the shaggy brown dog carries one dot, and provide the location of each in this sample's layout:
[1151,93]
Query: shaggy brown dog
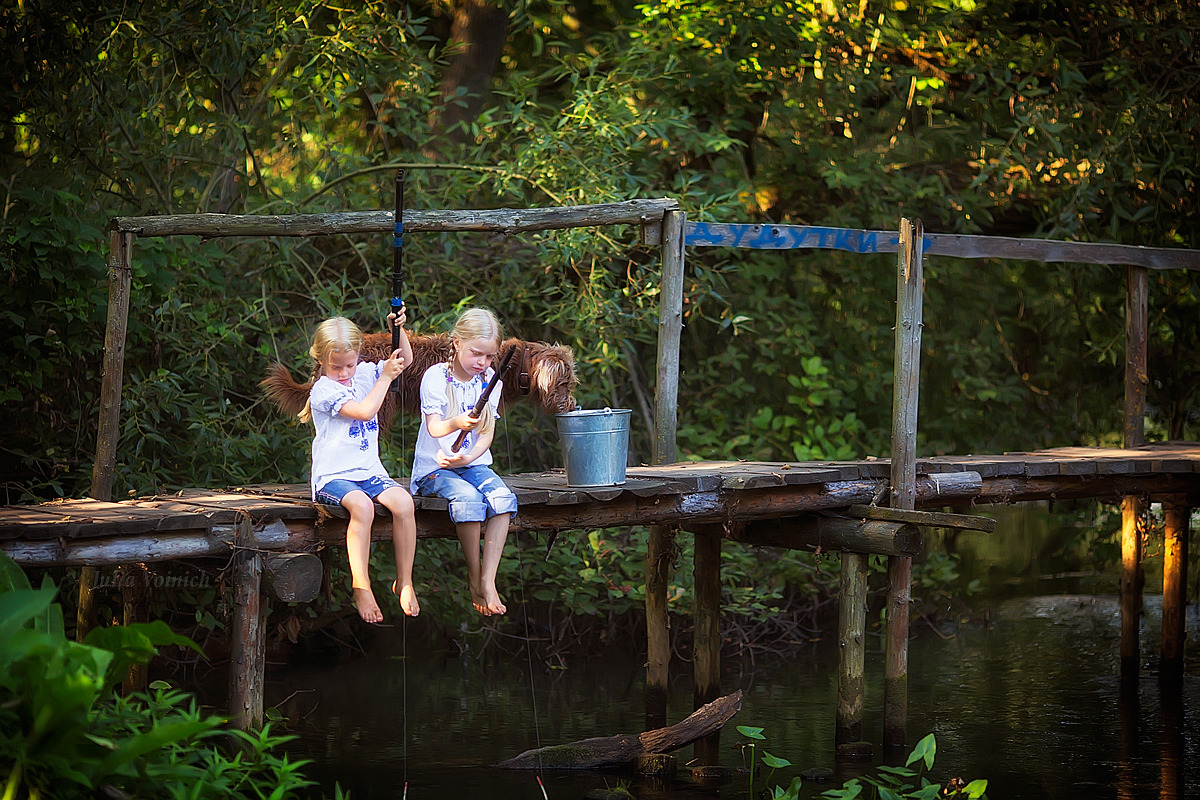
[543,372]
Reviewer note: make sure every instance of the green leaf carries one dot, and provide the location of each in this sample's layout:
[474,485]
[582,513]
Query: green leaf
[21,607]
[925,749]
[975,788]
[12,577]
[155,739]
[775,762]
[751,732]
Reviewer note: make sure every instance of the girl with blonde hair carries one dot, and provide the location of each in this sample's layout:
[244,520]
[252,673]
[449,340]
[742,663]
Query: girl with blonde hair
[343,405]
[480,502]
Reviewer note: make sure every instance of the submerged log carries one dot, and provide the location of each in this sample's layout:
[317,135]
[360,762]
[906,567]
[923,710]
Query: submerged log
[620,750]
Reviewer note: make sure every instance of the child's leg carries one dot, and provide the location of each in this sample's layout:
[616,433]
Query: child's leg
[467,511]
[468,536]
[494,535]
[358,549]
[404,540]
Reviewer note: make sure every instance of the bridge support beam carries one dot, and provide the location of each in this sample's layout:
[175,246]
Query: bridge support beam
[248,640]
[852,684]
[659,546]
[706,648]
[1175,559]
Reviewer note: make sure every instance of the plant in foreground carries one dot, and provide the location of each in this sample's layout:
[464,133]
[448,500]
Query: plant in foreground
[64,734]
[892,783]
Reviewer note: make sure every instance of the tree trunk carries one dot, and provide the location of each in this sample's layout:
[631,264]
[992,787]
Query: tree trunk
[476,41]
[622,749]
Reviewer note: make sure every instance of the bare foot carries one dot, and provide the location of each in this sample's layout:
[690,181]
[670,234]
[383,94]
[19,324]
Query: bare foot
[479,601]
[492,603]
[368,609]
[408,600]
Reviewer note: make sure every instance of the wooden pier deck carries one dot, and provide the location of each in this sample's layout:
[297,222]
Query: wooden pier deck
[734,495]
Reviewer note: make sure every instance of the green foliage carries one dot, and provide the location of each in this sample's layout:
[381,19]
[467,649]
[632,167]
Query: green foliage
[891,783]
[1004,119]
[999,119]
[751,757]
[63,733]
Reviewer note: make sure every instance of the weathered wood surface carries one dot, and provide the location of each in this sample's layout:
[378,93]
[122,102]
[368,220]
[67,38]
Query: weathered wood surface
[934,519]
[690,493]
[827,534]
[503,220]
[910,282]
[794,237]
[623,749]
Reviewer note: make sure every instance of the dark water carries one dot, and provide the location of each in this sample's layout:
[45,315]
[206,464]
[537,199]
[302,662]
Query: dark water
[1023,691]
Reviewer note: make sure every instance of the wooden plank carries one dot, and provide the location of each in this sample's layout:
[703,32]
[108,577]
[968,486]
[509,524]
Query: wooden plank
[935,519]
[698,476]
[1114,466]
[793,237]
[502,220]
[85,518]
[220,503]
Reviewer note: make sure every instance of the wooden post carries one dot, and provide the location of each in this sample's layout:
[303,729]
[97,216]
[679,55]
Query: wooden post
[1137,301]
[909,298]
[120,273]
[660,546]
[666,394]
[852,626]
[706,655]
[1175,559]
[670,323]
[135,585]
[247,656]
[1133,508]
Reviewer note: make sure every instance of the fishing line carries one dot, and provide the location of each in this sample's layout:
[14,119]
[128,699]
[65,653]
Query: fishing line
[537,733]
[404,696]
[397,398]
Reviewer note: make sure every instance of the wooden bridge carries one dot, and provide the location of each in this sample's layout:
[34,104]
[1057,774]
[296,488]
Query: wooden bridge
[873,506]
[796,505]
[273,531]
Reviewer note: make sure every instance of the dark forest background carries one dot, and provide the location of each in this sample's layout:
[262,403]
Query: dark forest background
[1063,120]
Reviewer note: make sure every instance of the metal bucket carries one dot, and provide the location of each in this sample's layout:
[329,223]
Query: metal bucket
[595,446]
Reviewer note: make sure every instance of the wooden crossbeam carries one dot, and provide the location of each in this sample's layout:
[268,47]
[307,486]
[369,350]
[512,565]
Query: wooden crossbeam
[932,519]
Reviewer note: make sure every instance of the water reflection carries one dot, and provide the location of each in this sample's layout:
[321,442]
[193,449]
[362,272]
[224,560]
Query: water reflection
[1032,701]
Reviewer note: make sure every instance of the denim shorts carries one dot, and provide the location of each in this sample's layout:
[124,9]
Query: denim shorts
[333,491]
[476,493]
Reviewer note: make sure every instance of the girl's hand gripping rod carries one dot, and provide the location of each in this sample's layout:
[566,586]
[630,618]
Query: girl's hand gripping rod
[483,398]
[397,269]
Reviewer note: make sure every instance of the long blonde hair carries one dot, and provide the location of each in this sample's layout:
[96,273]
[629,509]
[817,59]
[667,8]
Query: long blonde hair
[475,323]
[334,335]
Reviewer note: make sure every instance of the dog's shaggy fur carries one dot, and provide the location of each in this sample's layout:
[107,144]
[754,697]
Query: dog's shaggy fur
[543,372]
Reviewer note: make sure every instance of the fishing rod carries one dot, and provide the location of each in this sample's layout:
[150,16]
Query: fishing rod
[397,269]
[483,398]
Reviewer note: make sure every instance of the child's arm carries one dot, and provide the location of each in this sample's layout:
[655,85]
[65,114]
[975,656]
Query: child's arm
[369,406]
[397,321]
[464,457]
[480,447]
[439,427]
